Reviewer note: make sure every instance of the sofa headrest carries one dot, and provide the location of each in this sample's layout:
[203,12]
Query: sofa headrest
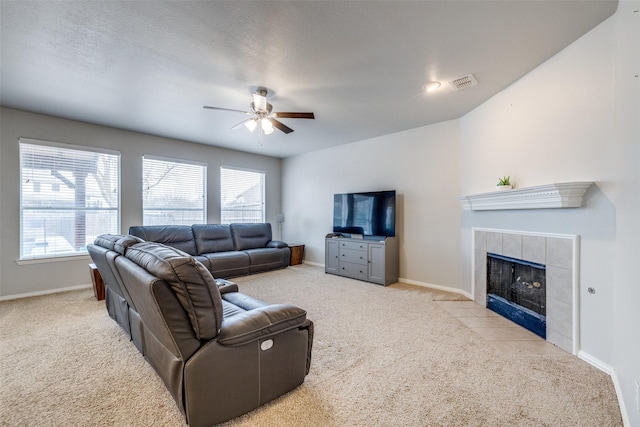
[191,282]
[121,245]
[250,236]
[177,236]
[107,241]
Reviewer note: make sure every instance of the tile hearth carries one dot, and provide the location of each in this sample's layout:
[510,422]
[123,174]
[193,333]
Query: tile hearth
[558,253]
[501,333]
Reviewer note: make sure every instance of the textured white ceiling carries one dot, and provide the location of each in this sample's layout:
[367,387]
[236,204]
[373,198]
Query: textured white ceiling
[360,66]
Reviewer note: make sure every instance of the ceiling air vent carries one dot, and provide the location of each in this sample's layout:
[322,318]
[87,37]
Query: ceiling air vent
[463,82]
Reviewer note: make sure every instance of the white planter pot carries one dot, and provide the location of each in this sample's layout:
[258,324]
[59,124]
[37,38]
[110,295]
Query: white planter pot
[503,187]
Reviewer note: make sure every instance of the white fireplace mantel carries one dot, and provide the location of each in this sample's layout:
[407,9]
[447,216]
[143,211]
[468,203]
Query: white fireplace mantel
[562,195]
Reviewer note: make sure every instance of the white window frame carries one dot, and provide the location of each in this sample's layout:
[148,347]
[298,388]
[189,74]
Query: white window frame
[246,215]
[175,209]
[51,249]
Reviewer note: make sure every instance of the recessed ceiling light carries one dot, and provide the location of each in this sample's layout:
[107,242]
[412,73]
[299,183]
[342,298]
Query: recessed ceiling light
[431,86]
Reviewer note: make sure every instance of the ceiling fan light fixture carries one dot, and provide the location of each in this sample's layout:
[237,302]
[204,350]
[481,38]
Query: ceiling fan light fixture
[267,126]
[260,101]
[251,125]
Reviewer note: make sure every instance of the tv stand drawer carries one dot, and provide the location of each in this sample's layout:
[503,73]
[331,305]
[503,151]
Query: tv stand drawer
[356,246]
[356,271]
[356,257]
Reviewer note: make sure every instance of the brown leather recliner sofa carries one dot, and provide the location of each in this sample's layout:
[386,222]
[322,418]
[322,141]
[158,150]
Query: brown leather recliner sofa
[219,352]
[227,250]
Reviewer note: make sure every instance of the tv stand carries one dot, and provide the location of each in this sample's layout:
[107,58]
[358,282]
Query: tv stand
[373,259]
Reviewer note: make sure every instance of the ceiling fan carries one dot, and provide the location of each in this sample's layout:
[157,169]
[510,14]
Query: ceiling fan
[262,113]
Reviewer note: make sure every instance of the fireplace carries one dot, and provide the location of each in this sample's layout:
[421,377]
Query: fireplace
[516,289]
[554,258]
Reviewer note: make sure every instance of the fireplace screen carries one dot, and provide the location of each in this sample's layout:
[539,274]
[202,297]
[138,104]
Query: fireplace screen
[516,289]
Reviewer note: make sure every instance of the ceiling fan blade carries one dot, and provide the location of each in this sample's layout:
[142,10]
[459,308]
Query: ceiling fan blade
[225,109]
[295,115]
[241,124]
[260,102]
[284,128]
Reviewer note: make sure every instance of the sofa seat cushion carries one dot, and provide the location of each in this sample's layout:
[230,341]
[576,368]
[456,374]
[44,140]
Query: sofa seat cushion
[228,264]
[229,309]
[190,281]
[266,258]
[259,323]
[204,261]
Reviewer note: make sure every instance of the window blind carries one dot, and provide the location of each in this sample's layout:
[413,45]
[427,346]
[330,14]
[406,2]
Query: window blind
[173,192]
[242,196]
[68,196]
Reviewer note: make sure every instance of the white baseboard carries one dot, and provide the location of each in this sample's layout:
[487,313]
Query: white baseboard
[608,369]
[40,293]
[316,264]
[436,287]
[417,283]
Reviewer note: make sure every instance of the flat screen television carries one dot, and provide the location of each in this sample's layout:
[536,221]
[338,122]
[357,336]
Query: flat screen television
[369,214]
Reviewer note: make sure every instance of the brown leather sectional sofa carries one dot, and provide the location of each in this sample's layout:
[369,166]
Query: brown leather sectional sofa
[219,352]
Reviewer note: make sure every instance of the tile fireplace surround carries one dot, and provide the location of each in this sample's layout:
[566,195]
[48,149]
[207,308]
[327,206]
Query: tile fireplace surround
[560,255]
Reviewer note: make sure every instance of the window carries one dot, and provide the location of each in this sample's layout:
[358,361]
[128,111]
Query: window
[174,192]
[241,196]
[68,196]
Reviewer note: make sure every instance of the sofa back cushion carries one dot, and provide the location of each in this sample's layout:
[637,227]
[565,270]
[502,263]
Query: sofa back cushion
[176,236]
[191,282]
[250,236]
[211,238]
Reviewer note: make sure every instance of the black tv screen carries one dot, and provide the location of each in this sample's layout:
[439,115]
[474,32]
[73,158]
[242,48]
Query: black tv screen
[370,214]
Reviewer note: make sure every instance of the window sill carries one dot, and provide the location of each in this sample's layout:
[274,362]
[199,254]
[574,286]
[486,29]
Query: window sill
[44,260]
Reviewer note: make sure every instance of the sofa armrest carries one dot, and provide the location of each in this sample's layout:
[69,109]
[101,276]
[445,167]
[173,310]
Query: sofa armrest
[232,287]
[260,322]
[225,286]
[276,244]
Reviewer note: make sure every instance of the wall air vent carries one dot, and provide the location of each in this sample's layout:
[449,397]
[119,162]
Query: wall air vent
[463,82]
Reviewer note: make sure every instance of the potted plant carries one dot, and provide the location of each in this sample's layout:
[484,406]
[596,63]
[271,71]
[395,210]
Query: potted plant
[504,183]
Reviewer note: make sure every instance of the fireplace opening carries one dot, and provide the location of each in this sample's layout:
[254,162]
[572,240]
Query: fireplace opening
[516,289]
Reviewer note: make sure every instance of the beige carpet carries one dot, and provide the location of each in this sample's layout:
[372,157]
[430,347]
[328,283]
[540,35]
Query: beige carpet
[382,357]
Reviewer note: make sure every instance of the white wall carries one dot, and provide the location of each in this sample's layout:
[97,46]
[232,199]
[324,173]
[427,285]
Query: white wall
[575,118]
[42,277]
[555,125]
[422,165]
[626,298]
